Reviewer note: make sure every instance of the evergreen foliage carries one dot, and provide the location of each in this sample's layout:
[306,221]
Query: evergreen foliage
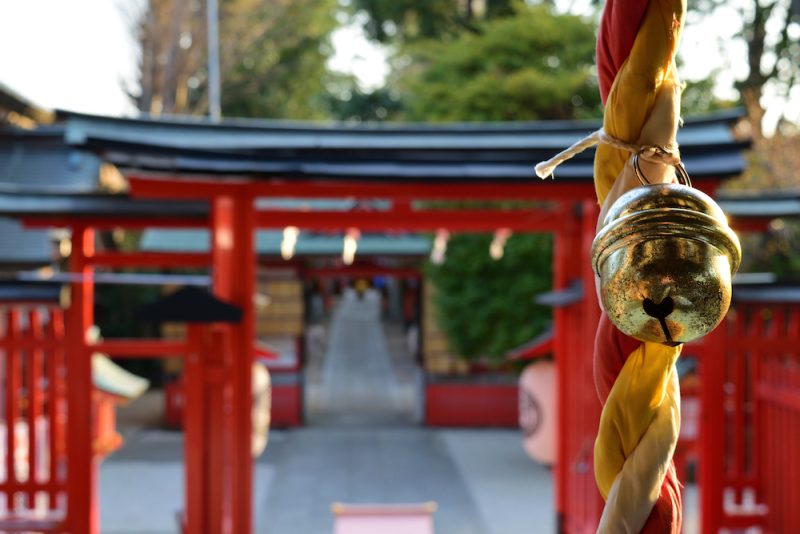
[410,20]
[272,56]
[486,306]
[346,101]
[535,64]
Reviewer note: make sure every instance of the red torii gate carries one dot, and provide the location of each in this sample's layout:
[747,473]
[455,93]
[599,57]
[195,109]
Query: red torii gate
[219,474]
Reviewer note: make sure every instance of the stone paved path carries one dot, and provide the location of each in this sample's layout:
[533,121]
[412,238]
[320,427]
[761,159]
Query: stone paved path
[481,479]
[319,466]
[362,447]
[358,383]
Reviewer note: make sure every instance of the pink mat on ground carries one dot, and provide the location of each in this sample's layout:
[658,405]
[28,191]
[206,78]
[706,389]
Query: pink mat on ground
[383,518]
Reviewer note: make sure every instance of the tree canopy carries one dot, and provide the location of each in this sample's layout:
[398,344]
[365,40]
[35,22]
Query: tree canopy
[769,31]
[273,56]
[485,306]
[410,20]
[453,60]
[533,64]
[511,61]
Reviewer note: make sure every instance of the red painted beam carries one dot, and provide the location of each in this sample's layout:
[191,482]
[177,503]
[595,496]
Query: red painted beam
[151,259]
[535,189]
[369,221]
[758,226]
[136,348]
[174,187]
[363,270]
[170,187]
[13,344]
[428,220]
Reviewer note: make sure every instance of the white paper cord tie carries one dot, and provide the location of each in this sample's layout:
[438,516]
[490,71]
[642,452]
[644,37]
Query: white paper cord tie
[656,154]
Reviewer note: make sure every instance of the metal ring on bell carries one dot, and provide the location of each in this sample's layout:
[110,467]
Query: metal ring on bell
[682,175]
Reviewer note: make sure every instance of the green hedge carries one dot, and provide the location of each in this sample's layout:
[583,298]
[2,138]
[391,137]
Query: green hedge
[485,306]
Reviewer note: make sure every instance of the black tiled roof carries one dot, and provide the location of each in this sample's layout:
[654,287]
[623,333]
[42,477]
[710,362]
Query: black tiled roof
[22,247]
[94,205]
[761,204]
[18,291]
[36,162]
[39,161]
[393,152]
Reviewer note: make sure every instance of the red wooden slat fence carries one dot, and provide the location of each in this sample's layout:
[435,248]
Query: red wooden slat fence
[33,474]
[749,389]
[729,476]
[749,426]
[578,502]
[776,397]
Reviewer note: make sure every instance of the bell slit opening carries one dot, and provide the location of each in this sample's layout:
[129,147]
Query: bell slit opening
[660,311]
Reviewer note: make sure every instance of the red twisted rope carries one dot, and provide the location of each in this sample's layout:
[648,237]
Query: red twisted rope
[618,29]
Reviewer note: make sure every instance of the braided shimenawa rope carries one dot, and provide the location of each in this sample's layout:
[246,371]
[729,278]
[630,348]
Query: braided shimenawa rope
[640,421]
[637,381]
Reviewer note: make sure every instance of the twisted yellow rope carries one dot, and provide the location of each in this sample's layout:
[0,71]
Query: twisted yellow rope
[640,420]
[637,436]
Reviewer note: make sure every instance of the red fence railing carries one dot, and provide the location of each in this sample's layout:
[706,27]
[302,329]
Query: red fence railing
[777,401]
[33,471]
[749,431]
[747,434]
[750,422]
[578,502]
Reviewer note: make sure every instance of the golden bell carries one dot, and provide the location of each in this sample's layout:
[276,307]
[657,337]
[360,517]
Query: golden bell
[665,258]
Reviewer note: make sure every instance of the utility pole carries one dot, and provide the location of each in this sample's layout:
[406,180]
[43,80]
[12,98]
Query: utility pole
[214,109]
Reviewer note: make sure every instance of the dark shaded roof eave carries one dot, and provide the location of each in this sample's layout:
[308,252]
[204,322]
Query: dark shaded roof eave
[723,163]
[93,205]
[433,154]
[21,291]
[390,152]
[409,175]
[728,116]
[228,136]
[767,204]
[39,161]
[97,205]
[47,131]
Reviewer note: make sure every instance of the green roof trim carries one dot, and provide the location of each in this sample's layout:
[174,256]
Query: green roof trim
[268,243]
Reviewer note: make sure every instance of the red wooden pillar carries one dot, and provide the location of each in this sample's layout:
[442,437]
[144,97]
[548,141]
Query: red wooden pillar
[82,506]
[563,274]
[226,374]
[195,432]
[711,436]
[590,315]
[578,502]
[242,292]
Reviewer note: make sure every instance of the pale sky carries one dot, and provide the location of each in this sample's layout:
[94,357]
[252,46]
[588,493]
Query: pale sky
[68,54]
[75,54]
